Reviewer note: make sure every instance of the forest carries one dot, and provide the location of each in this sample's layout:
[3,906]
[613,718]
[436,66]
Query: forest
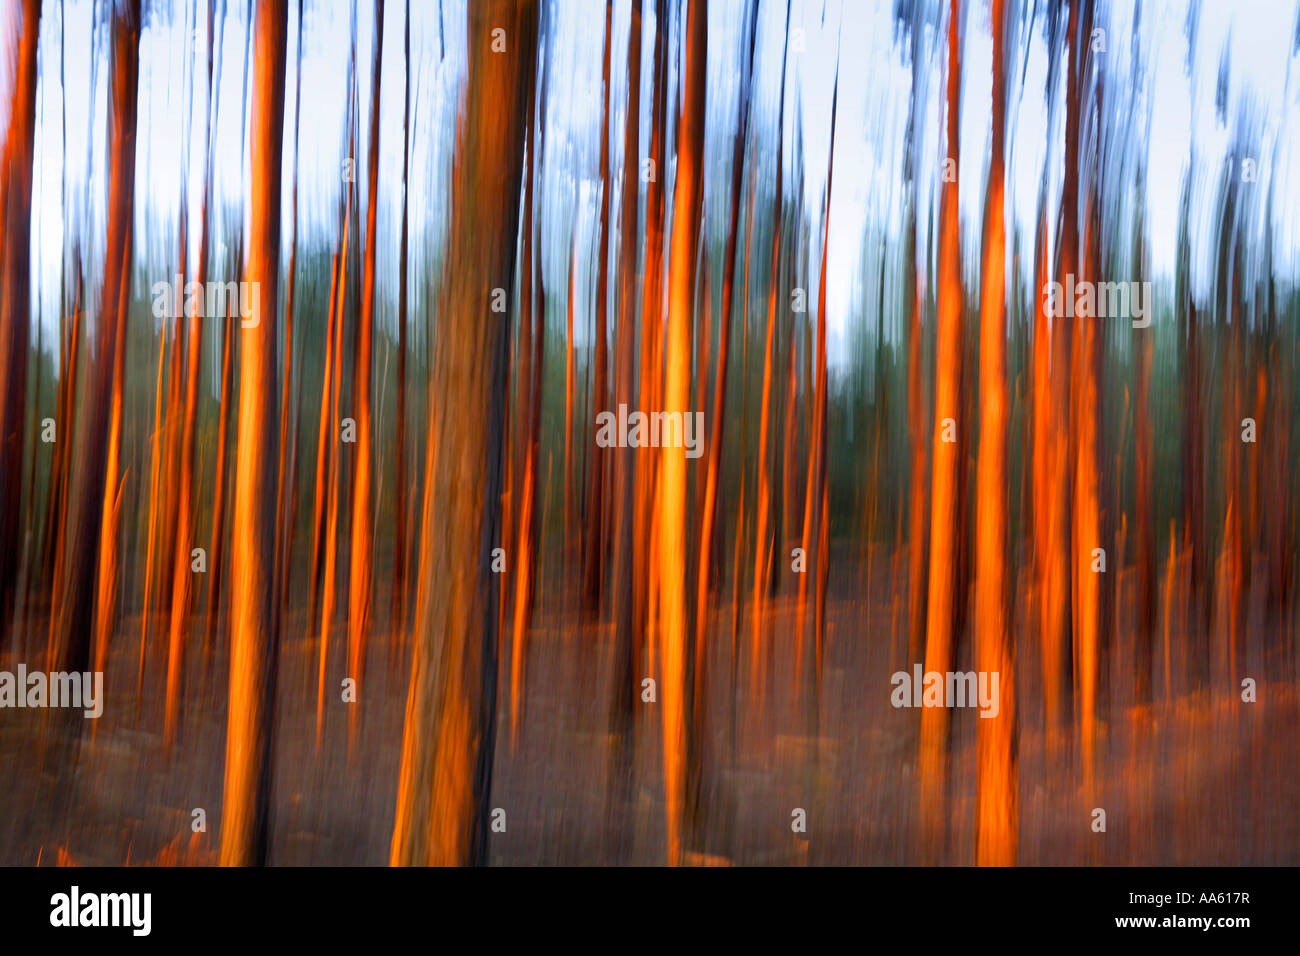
[604,432]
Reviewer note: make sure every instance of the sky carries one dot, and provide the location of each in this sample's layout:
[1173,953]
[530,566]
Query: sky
[847,45]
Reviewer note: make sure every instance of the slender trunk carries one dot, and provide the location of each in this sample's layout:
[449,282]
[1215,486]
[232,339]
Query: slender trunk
[623,698]
[528,562]
[359,596]
[941,606]
[594,560]
[285,467]
[397,613]
[762,537]
[677,387]
[918,504]
[997,813]
[183,573]
[15,299]
[1051,431]
[254,641]
[644,559]
[220,497]
[329,541]
[570,506]
[1144,527]
[1085,373]
[110,514]
[820,440]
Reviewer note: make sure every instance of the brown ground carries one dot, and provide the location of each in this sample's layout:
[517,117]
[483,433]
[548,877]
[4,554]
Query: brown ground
[1197,778]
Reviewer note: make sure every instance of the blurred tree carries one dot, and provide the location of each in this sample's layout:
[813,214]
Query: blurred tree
[448,741]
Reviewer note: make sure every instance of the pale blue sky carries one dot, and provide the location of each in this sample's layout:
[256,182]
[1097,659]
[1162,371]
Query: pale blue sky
[874,88]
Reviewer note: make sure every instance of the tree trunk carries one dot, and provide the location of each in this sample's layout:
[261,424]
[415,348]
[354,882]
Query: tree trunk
[594,559]
[77,597]
[15,299]
[997,805]
[182,570]
[944,530]
[677,395]
[397,613]
[362,520]
[448,740]
[254,641]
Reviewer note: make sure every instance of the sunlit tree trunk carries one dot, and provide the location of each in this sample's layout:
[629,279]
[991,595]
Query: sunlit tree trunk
[1052,349]
[331,428]
[763,546]
[326,435]
[944,530]
[359,597]
[106,585]
[997,812]
[524,493]
[182,569]
[1085,375]
[645,558]
[448,740]
[220,496]
[677,396]
[329,539]
[221,492]
[254,643]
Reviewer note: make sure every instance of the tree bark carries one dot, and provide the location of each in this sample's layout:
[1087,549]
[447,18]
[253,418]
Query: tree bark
[674,692]
[254,641]
[997,804]
[15,300]
[448,741]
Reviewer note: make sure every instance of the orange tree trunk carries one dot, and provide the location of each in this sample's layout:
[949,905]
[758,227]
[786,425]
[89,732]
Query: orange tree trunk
[254,643]
[362,521]
[677,395]
[996,814]
[940,609]
[448,740]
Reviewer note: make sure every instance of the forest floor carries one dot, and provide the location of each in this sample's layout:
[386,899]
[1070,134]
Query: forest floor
[1196,777]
